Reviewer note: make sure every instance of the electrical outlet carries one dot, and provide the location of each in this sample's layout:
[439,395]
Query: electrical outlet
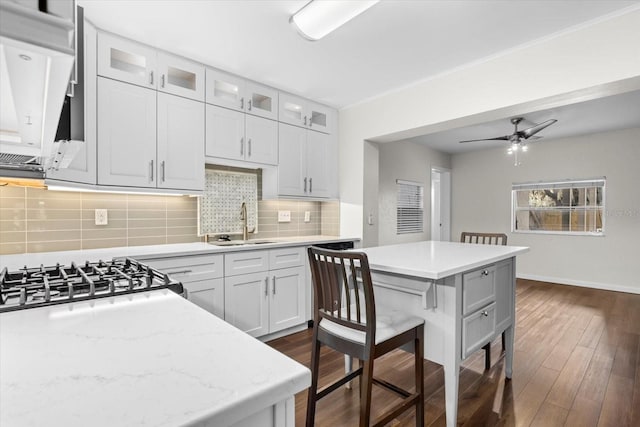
[101,217]
[307,216]
[284,216]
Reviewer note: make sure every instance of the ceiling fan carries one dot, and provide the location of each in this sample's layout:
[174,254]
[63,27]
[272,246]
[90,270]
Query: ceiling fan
[518,138]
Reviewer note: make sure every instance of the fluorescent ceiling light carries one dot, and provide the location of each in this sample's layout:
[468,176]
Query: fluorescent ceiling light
[320,17]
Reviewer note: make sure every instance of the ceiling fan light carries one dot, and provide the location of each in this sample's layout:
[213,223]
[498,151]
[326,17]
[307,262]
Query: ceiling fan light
[318,18]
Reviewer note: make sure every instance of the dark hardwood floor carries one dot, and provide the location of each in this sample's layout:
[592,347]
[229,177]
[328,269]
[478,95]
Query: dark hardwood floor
[577,363]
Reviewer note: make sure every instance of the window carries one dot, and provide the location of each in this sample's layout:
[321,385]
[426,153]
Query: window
[565,207]
[410,207]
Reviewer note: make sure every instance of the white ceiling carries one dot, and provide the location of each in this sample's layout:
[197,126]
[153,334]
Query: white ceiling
[392,45]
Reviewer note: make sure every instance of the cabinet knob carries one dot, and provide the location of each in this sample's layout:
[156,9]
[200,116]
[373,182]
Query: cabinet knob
[163,173]
[485,313]
[266,286]
[305,184]
[242,146]
[162,80]
[151,78]
[151,171]
[273,281]
[310,185]
[485,272]
[249,147]
[242,103]
[249,105]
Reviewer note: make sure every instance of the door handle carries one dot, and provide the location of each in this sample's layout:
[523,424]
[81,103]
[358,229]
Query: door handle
[305,184]
[162,81]
[162,168]
[249,104]
[151,170]
[273,281]
[151,78]
[266,286]
[310,185]
[249,147]
[242,146]
[242,103]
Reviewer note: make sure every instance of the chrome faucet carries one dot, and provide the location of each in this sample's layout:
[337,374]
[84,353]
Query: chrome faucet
[244,218]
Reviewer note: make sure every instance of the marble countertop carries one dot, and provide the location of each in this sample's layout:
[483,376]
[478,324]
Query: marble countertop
[17,261]
[148,359]
[435,260]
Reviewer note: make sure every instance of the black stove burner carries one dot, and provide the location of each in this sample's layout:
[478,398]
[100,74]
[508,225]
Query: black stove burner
[36,287]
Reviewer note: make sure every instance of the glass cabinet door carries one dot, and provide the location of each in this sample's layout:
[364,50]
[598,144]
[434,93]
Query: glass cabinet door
[261,101]
[225,90]
[319,118]
[180,76]
[292,110]
[126,61]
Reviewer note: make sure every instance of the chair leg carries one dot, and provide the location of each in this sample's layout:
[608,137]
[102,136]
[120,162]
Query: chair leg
[419,361]
[313,389]
[365,395]
[487,356]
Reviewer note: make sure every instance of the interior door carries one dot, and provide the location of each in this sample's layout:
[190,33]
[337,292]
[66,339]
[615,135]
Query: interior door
[440,204]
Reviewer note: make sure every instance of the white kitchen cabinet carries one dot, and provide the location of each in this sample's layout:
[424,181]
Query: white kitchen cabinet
[142,65]
[126,134]
[200,275]
[307,165]
[234,92]
[179,76]
[148,139]
[308,114]
[126,60]
[180,136]
[235,135]
[271,295]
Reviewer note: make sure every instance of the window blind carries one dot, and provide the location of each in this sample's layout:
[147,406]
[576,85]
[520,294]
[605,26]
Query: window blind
[553,185]
[410,207]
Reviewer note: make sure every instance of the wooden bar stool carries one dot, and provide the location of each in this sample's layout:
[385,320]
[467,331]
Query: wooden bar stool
[485,239]
[346,319]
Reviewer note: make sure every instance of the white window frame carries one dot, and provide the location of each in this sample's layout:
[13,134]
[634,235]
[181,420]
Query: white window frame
[408,224]
[570,184]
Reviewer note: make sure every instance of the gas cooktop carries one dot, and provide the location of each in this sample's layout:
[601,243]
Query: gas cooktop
[40,286]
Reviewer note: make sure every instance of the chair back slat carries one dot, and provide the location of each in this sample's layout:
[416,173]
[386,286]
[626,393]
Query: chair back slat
[343,291]
[483,238]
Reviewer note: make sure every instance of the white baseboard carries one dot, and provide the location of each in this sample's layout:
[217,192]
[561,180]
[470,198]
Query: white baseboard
[582,283]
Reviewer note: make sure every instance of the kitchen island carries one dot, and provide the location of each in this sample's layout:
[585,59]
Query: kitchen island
[145,359]
[465,292]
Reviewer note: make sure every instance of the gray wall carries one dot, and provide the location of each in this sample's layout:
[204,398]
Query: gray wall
[408,161]
[481,201]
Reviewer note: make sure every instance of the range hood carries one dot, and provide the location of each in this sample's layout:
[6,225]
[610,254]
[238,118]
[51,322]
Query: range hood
[36,60]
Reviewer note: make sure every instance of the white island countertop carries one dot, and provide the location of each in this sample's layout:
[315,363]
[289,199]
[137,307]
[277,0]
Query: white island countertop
[147,359]
[435,260]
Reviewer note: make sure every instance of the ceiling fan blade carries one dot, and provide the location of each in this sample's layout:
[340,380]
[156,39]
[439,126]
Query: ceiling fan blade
[527,133]
[498,138]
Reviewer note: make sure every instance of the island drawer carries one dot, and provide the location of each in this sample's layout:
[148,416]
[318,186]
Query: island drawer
[245,262]
[478,288]
[478,329]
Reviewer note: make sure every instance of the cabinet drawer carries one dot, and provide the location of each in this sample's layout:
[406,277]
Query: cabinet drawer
[478,329]
[196,265]
[478,288]
[286,257]
[246,262]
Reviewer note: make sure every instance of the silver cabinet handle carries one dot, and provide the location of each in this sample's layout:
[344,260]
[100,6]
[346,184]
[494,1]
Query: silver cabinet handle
[310,185]
[242,103]
[485,313]
[169,273]
[249,103]
[249,147]
[242,146]
[305,184]
[266,286]
[485,273]
[162,168]
[151,78]
[162,80]
[273,281]
[151,170]
[305,120]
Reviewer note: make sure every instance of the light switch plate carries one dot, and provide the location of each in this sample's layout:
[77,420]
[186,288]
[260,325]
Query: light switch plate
[101,217]
[307,216]
[284,216]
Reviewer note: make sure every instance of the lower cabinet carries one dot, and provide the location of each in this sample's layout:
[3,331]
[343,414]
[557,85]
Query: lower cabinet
[266,301]
[201,276]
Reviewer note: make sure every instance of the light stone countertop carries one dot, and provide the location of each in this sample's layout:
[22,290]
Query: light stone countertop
[435,260]
[146,359]
[17,261]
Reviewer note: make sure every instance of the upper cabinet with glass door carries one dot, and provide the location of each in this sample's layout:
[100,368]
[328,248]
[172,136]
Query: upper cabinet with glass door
[236,93]
[135,63]
[304,113]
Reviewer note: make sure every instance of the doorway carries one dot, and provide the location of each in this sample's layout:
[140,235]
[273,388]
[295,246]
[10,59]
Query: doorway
[440,204]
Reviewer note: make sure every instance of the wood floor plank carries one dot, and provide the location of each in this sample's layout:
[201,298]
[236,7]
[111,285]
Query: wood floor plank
[626,357]
[566,386]
[616,407]
[527,403]
[550,415]
[583,413]
[596,378]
